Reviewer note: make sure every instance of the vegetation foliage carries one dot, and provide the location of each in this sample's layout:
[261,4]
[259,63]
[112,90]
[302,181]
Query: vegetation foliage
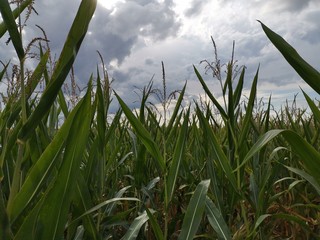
[212,171]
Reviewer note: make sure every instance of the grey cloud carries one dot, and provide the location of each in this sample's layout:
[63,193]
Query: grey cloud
[113,32]
[195,8]
[149,62]
[294,5]
[150,19]
[283,5]
[312,19]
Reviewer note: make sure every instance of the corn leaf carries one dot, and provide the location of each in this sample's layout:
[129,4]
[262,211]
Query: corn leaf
[144,136]
[306,176]
[69,52]
[47,220]
[217,150]
[216,220]
[212,98]
[155,226]
[16,12]
[135,226]
[315,110]
[11,26]
[177,158]
[238,91]
[246,123]
[173,117]
[309,156]
[193,216]
[309,74]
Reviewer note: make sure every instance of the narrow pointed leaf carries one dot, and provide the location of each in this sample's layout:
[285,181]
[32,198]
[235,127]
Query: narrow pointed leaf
[193,216]
[155,225]
[135,226]
[176,109]
[69,52]
[309,74]
[315,110]
[261,142]
[216,220]
[306,176]
[310,157]
[238,91]
[143,135]
[16,12]
[49,216]
[217,150]
[208,92]
[248,116]
[177,158]
[42,169]
[11,26]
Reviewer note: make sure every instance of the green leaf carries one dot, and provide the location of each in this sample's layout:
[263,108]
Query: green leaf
[144,136]
[4,220]
[49,216]
[155,226]
[11,26]
[216,220]
[102,204]
[101,115]
[40,172]
[309,74]
[261,142]
[260,220]
[135,226]
[212,98]
[194,212]
[217,150]
[84,201]
[178,154]
[315,110]
[238,91]
[16,13]
[246,123]
[69,52]
[306,176]
[3,71]
[309,156]
[176,109]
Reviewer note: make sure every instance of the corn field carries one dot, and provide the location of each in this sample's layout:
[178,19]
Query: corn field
[205,171]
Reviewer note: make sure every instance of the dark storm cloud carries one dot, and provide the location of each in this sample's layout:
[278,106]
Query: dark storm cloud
[114,33]
[195,8]
[144,18]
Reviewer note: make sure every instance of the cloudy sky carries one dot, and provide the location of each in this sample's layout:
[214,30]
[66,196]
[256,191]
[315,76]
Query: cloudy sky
[134,36]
